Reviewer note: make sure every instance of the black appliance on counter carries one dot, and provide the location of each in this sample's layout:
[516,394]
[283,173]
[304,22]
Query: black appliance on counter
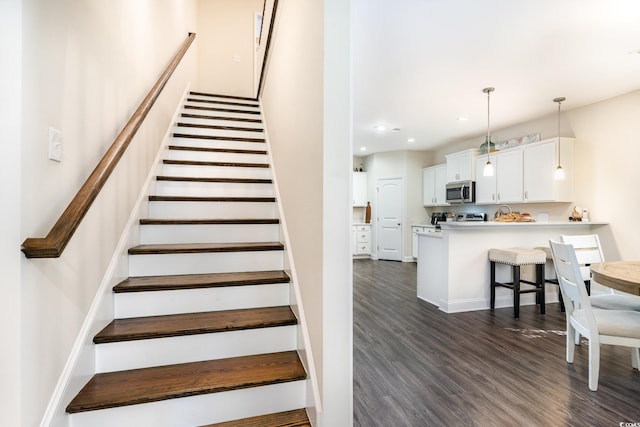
[438,217]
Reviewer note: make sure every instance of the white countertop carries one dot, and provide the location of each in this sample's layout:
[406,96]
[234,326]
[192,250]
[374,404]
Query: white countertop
[462,225]
[361,223]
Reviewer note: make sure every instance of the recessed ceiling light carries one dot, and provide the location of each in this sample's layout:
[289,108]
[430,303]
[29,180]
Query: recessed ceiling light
[411,140]
[463,118]
[363,148]
[380,128]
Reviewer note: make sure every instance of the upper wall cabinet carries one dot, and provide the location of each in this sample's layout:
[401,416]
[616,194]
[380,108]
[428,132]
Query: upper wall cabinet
[434,192]
[360,189]
[526,174]
[461,165]
[505,186]
[540,163]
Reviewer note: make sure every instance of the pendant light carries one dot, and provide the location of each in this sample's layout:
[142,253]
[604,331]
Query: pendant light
[559,172]
[488,167]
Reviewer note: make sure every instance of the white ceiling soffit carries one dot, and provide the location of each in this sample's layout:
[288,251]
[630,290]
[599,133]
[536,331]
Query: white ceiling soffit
[420,64]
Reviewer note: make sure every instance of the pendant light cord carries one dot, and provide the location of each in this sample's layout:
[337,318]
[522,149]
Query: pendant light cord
[559,101]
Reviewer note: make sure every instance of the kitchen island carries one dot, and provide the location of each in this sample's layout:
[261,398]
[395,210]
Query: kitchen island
[453,265]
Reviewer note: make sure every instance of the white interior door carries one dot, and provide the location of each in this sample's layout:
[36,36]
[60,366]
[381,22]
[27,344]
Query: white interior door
[390,195]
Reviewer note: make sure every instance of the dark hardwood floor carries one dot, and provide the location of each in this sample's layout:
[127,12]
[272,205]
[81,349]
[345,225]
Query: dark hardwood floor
[417,366]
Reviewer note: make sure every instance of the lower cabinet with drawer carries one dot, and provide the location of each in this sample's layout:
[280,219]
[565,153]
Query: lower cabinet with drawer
[361,240]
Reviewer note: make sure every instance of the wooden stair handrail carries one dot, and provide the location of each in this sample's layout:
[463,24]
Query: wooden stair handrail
[58,237]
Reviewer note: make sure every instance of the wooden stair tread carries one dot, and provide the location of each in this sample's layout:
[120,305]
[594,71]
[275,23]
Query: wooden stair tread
[194,323]
[217,138]
[216,150]
[215,179]
[218,127]
[225,164]
[192,248]
[295,418]
[209,199]
[216,101]
[206,117]
[208,221]
[199,281]
[220,110]
[113,389]
[244,98]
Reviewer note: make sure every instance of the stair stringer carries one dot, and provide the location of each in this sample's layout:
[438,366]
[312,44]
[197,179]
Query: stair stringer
[81,363]
[313,404]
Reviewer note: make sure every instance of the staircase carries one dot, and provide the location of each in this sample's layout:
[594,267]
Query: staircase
[203,333]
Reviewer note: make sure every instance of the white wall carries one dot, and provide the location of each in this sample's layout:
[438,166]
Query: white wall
[606,156]
[225,27]
[10,287]
[337,199]
[86,67]
[306,103]
[293,115]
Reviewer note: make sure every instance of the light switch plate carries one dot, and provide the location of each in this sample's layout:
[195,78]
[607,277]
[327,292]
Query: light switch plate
[55,145]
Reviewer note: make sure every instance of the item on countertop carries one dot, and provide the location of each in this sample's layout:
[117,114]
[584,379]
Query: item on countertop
[504,214]
[585,215]
[367,213]
[576,214]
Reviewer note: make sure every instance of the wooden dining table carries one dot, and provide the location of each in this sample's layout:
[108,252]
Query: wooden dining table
[620,275]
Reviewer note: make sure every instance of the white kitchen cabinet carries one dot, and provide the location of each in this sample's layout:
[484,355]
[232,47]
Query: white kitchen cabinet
[360,189]
[485,185]
[461,165]
[540,163]
[361,239]
[434,183]
[505,186]
[509,176]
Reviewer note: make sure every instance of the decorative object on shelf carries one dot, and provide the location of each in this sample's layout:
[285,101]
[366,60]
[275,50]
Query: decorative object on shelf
[559,173]
[517,142]
[367,213]
[361,168]
[488,146]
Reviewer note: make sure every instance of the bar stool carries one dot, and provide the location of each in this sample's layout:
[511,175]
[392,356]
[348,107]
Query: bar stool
[517,257]
[547,252]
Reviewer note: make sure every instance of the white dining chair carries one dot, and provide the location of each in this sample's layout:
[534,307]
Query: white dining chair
[588,251]
[612,327]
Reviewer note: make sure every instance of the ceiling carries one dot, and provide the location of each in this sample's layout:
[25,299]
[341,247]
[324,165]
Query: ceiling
[420,64]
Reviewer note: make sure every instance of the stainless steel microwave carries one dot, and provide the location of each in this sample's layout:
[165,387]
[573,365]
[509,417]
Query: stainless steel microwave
[461,192]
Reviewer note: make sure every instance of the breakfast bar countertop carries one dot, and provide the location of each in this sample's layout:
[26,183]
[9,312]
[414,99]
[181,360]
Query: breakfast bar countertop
[488,224]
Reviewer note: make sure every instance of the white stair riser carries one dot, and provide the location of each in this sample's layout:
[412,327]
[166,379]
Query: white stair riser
[227,133]
[212,156]
[216,171]
[219,122]
[140,304]
[212,209]
[146,353]
[214,97]
[237,115]
[209,233]
[211,189]
[218,143]
[221,103]
[201,263]
[199,410]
